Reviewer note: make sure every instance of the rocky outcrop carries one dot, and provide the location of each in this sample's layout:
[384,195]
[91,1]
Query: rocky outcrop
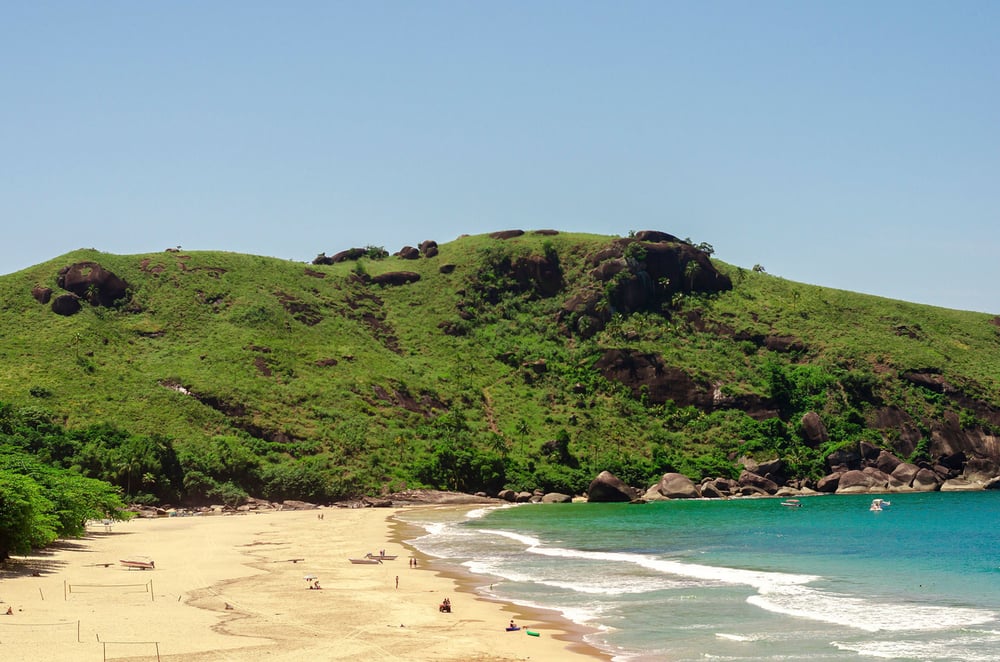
[672,486]
[609,488]
[648,378]
[342,256]
[428,248]
[41,294]
[813,430]
[66,305]
[93,283]
[506,234]
[393,278]
[751,483]
[539,274]
[639,274]
[865,480]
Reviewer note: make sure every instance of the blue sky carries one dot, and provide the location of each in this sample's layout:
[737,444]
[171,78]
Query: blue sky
[849,144]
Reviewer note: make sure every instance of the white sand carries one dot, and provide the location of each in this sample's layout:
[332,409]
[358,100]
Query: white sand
[79,608]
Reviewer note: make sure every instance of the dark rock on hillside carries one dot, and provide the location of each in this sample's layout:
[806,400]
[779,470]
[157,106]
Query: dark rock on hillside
[539,274]
[396,278]
[428,248]
[784,344]
[409,253]
[546,233]
[636,275]
[646,376]
[91,281]
[813,430]
[342,256]
[446,268]
[844,459]
[506,234]
[656,236]
[66,305]
[42,294]
[930,379]
[609,488]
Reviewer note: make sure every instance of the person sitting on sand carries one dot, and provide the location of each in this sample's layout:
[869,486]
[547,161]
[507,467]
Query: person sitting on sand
[316,585]
[512,626]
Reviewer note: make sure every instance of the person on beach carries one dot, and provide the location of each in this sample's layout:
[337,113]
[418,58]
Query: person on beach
[397,581]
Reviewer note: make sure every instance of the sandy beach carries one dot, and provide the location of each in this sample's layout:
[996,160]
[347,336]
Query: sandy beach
[234,587]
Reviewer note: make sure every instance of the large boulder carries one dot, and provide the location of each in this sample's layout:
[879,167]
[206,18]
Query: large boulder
[428,248]
[961,485]
[887,462]
[904,472]
[813,430]
[981,469]
[844,459]
[66,305]
[42,294]
[673,486]
[396,278]
[758,483]
[556,497]
[91,281]
[926,481]
[829,484]
[609,488]
[866,480]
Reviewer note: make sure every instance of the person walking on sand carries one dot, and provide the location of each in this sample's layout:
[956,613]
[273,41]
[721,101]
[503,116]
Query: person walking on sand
[397,581]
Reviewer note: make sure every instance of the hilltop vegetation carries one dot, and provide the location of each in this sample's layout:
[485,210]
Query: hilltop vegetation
[524,361]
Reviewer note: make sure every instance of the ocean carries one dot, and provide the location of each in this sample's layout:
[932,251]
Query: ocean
[746,580]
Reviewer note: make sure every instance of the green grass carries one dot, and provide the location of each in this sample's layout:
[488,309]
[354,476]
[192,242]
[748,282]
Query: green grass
[254,333]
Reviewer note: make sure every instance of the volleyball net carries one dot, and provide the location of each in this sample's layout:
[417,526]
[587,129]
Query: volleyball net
[77,590]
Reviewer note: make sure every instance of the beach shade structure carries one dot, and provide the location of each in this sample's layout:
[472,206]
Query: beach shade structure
[309,578]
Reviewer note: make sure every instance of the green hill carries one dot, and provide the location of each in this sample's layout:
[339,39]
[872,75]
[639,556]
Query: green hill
[533,361]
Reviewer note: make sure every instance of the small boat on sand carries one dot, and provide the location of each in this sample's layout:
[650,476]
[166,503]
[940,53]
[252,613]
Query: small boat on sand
[381,557]
[366,561]
[140,562]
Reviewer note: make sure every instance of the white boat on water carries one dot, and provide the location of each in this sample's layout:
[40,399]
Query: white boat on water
[878,505]
[791,503]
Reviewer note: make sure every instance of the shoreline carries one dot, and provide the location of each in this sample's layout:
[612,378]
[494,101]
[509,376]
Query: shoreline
[231,587]
[571,633]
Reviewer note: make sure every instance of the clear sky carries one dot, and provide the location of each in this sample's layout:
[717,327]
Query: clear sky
[851,144]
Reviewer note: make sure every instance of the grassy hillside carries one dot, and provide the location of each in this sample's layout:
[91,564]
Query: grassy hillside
[282,372]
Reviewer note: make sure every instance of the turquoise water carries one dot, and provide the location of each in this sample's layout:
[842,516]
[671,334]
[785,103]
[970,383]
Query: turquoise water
[747,580]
